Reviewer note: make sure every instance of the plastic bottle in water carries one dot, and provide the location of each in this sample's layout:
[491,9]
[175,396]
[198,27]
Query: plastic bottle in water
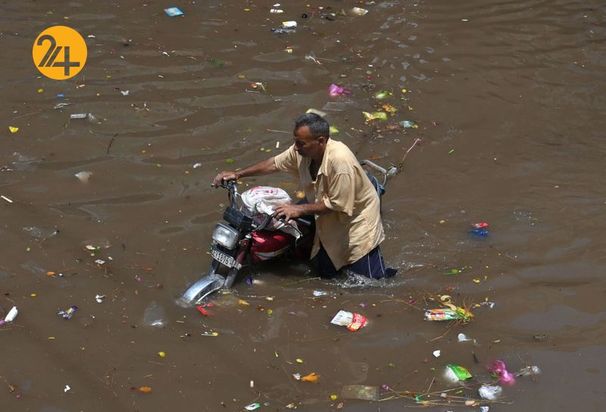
[154,315]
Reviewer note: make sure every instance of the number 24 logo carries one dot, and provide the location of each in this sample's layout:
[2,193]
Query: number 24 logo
[49,59]
[59,52]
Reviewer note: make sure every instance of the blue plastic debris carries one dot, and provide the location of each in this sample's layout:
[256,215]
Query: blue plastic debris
[173,12]
[479,231]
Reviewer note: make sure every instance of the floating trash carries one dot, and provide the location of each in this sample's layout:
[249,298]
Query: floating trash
[389,108]
[291,24]
[362,392]
[456,373]
[83,116]
[84,176]
[68,313]
[142,389]
[173,12]
[383,94]
[40,233]
[461,337]
[352,321]
[282,30]
[490,392]
[374,116]
[334,90]
[154,315]
[529,371]
[203,311]
[10,316]
[480,225]
[499,369]
[408,124]
[447,314]
[358,11]
[311,378]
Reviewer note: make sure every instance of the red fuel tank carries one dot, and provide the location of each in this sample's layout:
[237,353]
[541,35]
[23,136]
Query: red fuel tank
[267,245]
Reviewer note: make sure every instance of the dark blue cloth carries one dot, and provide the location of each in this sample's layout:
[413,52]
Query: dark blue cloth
[371,265]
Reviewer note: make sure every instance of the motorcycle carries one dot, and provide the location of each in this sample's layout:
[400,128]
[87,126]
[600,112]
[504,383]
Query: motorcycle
[248,236]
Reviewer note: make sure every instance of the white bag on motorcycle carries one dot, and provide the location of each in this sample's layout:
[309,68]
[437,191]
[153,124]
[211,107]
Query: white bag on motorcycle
[261,201]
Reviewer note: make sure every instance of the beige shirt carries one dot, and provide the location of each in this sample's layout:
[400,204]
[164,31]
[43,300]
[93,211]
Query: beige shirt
[353,227]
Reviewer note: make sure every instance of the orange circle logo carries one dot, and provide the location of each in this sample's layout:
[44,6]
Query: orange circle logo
[59,52]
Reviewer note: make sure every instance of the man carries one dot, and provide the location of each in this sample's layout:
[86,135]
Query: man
[338,192]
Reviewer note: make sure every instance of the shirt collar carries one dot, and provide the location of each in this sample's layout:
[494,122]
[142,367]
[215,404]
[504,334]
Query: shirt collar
[323,169]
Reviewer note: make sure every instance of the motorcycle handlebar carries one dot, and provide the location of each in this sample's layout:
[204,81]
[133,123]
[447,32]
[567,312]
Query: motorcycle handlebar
[373,166]
[387,173]
[228,184]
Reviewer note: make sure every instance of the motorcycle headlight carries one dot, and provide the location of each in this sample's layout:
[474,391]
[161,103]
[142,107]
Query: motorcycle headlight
[226,236]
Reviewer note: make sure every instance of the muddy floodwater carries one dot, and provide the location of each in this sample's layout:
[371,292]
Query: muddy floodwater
[507,98]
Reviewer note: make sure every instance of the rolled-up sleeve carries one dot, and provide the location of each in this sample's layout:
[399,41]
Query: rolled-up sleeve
[287,160]
[340,195]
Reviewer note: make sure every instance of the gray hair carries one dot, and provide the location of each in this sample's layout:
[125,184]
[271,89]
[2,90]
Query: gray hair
[318,126]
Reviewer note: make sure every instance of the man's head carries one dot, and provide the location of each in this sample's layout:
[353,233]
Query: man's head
[311,134]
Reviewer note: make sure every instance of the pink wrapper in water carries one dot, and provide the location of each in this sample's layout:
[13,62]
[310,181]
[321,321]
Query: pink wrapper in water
[335,90]
[480,225]
[499,368]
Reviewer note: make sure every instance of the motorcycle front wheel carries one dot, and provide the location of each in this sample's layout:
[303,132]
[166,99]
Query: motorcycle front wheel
[207,284]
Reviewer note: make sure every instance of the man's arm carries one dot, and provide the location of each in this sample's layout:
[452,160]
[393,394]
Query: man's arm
[293,211]
[262,168]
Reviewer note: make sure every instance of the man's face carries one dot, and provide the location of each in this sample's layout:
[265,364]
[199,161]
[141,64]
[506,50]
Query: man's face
[308,146]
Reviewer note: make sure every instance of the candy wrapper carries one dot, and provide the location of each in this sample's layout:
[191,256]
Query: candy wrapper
[499,369]
[451,312]
[480,225]
[456,373]
[335,90]
[441,315]
[352,321]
